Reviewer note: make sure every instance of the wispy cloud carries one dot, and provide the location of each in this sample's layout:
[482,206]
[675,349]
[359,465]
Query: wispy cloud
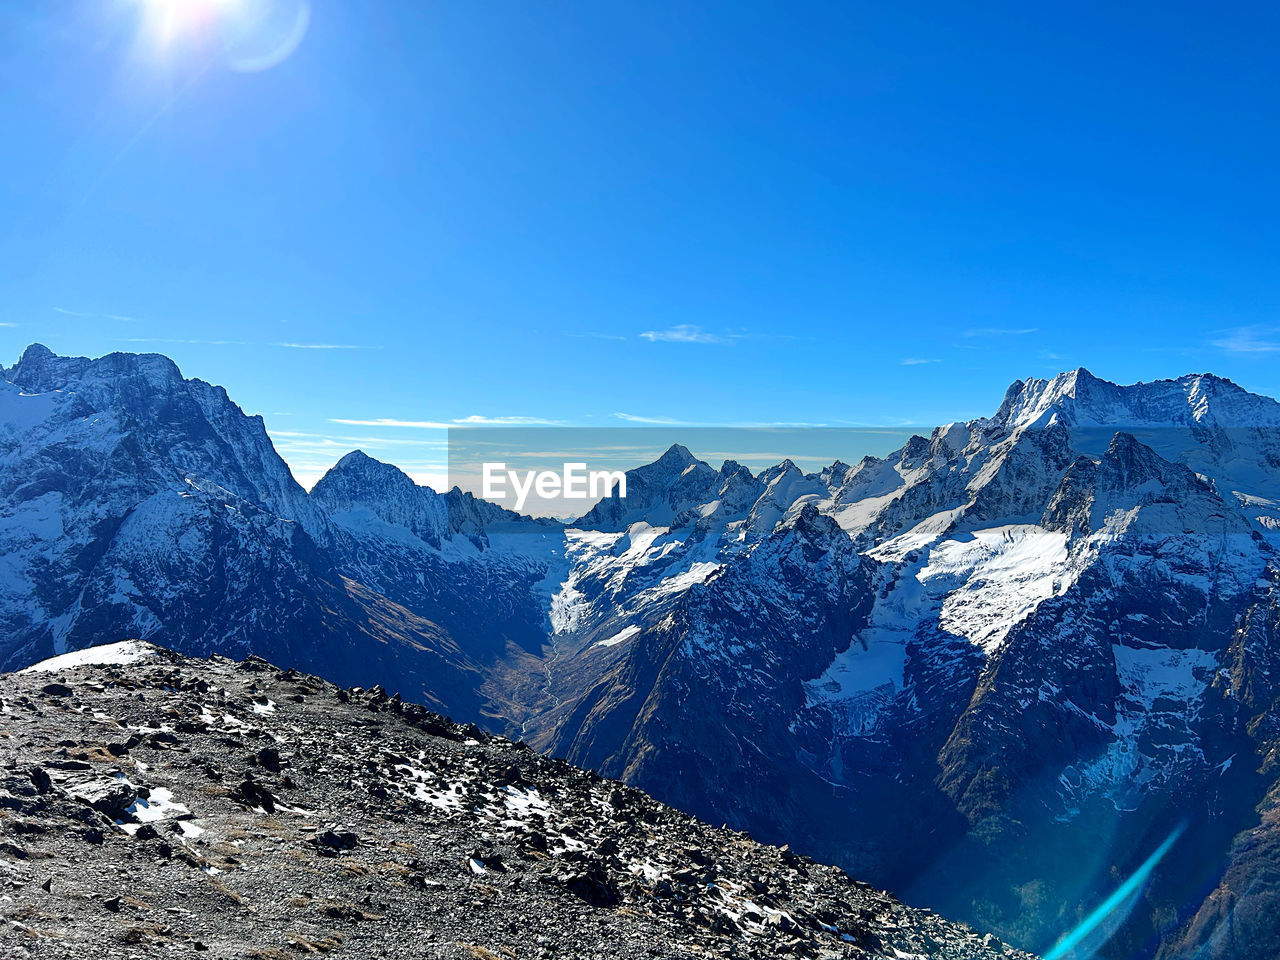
[6,324]
[721,425]
[392,422]
[1253,339]
[90,315]
[204,343]
[1000,331]
[654,421]
[324,346]
[686,333]
[236,343]
[477,420]
[916,361]
[301,439]
[592,335]
[779,425]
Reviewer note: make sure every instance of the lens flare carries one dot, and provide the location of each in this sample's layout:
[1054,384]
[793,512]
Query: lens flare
[247,35]
[267,34]
[169,20]
[1095,929]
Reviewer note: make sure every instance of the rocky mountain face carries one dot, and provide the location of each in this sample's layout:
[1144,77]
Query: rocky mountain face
[992,671]
[136,503]
[153,806]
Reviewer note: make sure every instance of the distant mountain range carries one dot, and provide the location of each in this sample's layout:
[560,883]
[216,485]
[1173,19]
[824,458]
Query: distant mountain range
[992,671]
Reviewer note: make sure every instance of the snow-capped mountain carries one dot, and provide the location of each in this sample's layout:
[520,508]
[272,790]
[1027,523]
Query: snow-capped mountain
[134,502]
[992,670]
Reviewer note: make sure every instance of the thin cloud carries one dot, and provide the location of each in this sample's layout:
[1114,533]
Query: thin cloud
[916,361]
[392,422]
[324,346]
[89,315]
[237,343]
[288,446]
[6,324]
[1249,340]
[776,425]
[302,436]
[654,421]
[591,335]
[203,343]
[724,424]
[474,420]
[477,420]
[686,333]
[1000,331]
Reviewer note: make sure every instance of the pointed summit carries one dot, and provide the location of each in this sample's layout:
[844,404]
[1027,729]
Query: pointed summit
[677,454]
[36,369]
[657,492]
[360,476]
[35,353]
[733,469]
[778,470]
[356,458]
[359,483]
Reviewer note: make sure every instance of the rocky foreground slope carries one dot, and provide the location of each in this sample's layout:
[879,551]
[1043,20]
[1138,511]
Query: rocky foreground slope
[152,805]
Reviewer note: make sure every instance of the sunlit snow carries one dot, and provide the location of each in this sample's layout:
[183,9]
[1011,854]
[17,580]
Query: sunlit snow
[126,651]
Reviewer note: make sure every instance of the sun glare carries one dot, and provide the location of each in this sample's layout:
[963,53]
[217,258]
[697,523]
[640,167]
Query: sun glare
[167,20]
[252,35]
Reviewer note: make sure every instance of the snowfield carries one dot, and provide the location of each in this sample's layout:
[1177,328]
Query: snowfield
[126,651]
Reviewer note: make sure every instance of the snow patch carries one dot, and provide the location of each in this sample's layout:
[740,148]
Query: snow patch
[622,636]
[999,577]
[126,651]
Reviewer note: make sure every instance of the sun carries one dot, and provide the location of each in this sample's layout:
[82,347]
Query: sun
[249,35]
[168,20]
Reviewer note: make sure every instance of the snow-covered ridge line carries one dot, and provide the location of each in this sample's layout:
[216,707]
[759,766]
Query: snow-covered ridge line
[125,651]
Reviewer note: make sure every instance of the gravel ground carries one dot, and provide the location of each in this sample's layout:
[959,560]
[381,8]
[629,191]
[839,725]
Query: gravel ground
[169,807]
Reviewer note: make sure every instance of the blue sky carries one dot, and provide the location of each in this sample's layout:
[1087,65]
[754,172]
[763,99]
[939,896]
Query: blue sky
[713,212]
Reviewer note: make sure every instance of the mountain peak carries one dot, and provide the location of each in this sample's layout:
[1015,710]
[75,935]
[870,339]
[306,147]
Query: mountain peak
[36,352]
[358,482]
[1080,399]
[36,369]
[356,473]
[783,469]
[356,458]
[677,454]
[40,370]
[1079,375]
[1128,452]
